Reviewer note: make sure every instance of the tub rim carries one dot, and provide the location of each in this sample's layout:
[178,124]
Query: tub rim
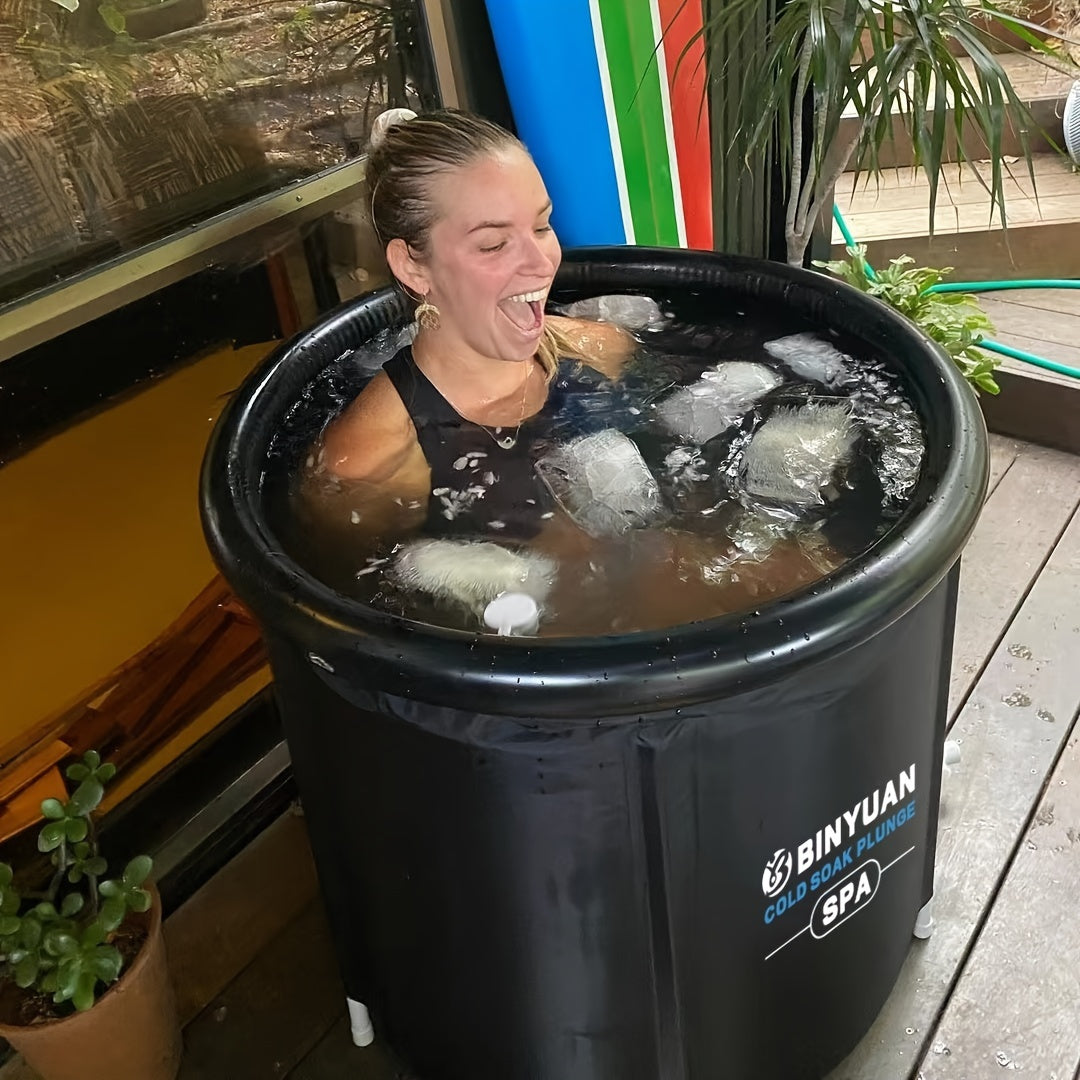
[615,675]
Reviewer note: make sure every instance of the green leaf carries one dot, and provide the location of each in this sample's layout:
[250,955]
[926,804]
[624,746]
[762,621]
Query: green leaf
[52,836]
[139,900]
[106,964]
[71,905]
[75,829]
[9,902]
[58,943]
[92,759]
[87,798]
[113,911]
[31,932]
[113,18]
[26,971]
[96,866]
[83,997]
[95,933]
[81,851]
[6,875]
[46,911]
[9,924]
[70,971]
[53,809]
[106,772]
[138,870]
[77,772]
[50,982]
[111,887]
[67,5]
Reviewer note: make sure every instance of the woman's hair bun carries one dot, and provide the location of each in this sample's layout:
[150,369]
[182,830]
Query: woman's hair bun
[385,121]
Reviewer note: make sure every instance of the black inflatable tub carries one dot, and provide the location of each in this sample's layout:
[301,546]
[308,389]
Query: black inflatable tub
[685,855]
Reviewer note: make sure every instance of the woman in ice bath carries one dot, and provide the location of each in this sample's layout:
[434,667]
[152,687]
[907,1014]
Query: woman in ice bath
[465,220]
[446,435]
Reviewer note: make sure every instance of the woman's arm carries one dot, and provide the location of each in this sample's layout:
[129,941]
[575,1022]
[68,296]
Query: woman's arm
[368,469]
[603,346]
[372,439]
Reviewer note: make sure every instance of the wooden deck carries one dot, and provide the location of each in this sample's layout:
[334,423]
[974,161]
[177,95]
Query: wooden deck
[998,985]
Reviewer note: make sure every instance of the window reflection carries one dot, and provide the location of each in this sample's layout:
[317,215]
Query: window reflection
[124,120]
[119,635]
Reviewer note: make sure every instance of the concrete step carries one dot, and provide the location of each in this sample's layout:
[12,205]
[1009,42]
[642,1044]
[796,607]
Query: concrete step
[1041,88]
[890,214]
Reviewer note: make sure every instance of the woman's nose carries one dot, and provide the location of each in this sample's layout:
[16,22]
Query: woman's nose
[537,257]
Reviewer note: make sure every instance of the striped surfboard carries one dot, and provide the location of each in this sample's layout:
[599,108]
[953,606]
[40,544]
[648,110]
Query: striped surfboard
[611,103]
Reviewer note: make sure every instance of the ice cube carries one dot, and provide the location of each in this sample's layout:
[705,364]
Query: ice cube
[472,573]
[794,456]
[811,358]
[603,483]
[629,312]
[704,409]
[895,428]
[386,343]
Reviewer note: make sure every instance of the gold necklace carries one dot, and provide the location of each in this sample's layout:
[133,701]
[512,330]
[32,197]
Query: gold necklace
[508,442]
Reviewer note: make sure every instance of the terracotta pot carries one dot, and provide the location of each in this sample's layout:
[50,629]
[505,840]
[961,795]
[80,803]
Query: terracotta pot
[132,1030]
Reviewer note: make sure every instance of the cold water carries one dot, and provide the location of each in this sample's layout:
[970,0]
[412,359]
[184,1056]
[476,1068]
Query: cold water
[739,457]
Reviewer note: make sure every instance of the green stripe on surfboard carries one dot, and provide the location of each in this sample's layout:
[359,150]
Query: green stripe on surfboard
[639,112]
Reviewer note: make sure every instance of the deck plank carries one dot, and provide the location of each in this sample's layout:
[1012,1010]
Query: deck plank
[960,184]
[336,1058]
[1055,334]
[1019,525]
[1018,1006]
[227,923]
[1008,750]
[1064,301]
[1003,452]
[267,1020]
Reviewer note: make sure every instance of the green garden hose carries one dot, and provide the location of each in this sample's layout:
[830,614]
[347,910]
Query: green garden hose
[986,286]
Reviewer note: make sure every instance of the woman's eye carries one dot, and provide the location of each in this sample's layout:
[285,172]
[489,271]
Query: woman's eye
[496,247]
[544,229]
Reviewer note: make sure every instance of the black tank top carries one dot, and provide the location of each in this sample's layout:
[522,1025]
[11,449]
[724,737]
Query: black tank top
[477,486]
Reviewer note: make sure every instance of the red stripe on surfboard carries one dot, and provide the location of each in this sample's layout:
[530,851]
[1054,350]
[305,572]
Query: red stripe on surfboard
[679,21]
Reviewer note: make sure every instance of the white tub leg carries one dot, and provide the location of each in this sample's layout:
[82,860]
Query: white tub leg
[363,1034]
[951,756]
[924,921]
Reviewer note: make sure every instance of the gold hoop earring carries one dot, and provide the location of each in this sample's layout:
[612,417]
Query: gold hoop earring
[427,316]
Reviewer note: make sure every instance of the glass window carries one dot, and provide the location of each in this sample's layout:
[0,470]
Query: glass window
[118,633]
[125,120]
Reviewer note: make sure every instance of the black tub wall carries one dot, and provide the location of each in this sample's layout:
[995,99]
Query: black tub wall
[623,933]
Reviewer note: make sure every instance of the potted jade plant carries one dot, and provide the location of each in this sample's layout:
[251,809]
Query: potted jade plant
[84,990]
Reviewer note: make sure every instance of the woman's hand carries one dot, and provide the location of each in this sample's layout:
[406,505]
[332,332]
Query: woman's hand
[603,346]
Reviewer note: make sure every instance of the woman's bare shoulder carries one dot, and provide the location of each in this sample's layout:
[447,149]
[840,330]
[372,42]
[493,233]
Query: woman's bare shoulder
[372,436]
[604,346]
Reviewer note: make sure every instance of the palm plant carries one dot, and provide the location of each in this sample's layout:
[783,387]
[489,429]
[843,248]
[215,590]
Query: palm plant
[925,62]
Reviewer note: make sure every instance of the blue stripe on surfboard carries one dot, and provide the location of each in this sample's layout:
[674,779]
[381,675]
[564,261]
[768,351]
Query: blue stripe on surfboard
[553,81]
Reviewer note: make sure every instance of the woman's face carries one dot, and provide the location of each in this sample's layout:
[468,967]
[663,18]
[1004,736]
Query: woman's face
[492,256]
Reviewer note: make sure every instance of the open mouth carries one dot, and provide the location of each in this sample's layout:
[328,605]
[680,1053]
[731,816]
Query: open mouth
[526,310]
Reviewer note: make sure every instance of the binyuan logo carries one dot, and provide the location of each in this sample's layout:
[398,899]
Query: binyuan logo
[777,873]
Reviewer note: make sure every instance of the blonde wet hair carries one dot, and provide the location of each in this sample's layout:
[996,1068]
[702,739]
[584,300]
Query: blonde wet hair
[405,154]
